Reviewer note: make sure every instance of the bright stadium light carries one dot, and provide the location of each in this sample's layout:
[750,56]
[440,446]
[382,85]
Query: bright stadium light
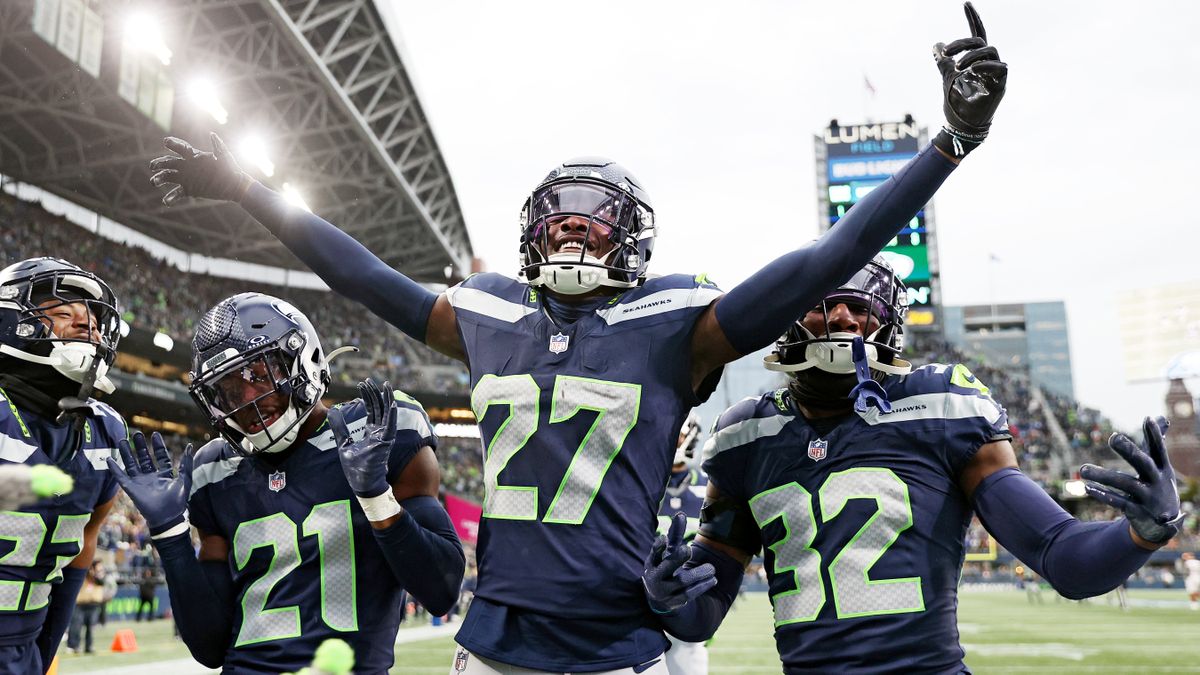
[123,328]
[142,33]
[292,195]
[254,151]
[163,341]
[204,94]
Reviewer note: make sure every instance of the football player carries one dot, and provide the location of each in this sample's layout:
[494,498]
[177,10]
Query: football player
[312,521]
[583,370]
[59,328]
[685,494]
[860,478]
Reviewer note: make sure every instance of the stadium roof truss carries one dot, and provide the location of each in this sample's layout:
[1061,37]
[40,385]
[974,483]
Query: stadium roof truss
[321,80]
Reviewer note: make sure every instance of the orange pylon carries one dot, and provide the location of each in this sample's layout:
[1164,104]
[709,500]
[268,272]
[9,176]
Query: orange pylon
[124,641]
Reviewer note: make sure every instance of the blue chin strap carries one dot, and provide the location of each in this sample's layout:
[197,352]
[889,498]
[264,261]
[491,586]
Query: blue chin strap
[867,391]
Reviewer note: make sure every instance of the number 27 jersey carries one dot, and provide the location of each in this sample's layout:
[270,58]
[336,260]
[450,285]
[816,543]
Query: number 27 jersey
[579,425]
[862,527]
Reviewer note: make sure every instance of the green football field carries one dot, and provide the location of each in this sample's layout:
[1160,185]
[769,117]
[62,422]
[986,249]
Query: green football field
[1002,633]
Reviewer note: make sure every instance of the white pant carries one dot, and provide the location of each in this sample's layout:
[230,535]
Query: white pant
[1191,584]
[466,663]
[686,658]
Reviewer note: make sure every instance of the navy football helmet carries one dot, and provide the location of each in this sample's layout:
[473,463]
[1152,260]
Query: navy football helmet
[879,290]
[257,371]
[30,290]
[614,205]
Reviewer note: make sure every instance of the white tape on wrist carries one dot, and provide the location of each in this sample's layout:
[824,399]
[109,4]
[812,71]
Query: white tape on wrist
[380,508]
[178,529]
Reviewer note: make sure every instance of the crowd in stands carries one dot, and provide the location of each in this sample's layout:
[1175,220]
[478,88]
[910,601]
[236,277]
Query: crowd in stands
[156,296]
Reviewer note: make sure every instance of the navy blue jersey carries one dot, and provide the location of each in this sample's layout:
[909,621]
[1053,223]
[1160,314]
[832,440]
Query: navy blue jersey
[579,424]
[862,527]
[304,561]
[38,540]
[685,492]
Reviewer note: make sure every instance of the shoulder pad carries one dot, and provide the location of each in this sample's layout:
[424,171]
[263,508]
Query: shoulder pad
[745,422]
[494,296]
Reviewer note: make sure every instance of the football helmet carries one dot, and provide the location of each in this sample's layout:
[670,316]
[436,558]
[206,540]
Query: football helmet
[257,371]
[877,288]
[689,439]
[614,205]
[29,290]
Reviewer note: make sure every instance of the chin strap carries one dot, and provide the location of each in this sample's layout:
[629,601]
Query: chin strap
[867,391]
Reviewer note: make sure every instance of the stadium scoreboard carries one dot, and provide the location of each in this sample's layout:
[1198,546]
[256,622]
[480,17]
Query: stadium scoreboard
[855,159]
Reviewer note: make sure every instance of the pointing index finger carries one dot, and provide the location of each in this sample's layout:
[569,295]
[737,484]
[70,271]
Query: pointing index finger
[974,21]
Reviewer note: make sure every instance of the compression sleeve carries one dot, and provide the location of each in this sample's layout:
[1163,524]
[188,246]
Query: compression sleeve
[699,619]
[201,599]
[1080,560]
[795,282]
[343,263]
[58,615]
[425,554]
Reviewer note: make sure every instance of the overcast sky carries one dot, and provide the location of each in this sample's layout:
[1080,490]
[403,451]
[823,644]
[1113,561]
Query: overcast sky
[1082,191]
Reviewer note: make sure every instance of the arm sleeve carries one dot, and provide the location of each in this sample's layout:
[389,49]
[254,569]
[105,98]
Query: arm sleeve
[413,432]
[201,599]
[1080,560]
[699,619]
[343,263]
[797,281]
[425,554]
[58,616]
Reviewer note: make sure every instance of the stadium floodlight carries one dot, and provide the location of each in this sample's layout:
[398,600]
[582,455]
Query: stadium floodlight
[163,341]
[254,151]
[292,195]
[123,328]
[205,96]
[142,33]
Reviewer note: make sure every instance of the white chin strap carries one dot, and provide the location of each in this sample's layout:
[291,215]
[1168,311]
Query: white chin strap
[834,356]
[565,273]
[261,441]
[72,359]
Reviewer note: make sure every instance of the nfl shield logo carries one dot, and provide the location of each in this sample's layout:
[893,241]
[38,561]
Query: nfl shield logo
[817,449]
[460,660]
[559,343]
[278,480]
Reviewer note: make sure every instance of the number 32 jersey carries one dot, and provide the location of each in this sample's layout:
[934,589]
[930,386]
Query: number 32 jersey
[862,527]
[305,563]
[579,425]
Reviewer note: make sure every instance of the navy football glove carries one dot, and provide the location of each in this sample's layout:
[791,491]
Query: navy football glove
[972,87]
[159,495]
[365,462]
[192,173]
[1150,500]
[669,586]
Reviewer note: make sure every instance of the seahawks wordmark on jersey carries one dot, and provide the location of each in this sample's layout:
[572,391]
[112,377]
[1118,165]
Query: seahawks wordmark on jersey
[864,532]
[304,561]
[579,424]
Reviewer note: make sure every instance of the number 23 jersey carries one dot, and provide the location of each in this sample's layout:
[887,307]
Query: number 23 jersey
[579,425]
[862,527]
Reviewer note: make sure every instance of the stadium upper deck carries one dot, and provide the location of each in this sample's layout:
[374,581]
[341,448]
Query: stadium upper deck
[88,90]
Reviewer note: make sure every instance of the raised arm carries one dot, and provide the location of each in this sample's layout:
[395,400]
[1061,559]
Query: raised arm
[343,263]
[760,309]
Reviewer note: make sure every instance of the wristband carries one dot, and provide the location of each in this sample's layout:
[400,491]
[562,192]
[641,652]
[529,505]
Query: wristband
[381,507]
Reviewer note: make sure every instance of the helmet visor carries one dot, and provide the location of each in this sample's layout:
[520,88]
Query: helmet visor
[253,393]
[872,288]
[604,207]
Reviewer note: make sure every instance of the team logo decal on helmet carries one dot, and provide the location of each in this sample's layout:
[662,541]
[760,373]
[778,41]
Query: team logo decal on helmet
[612,225]
[257,371]
[30,290]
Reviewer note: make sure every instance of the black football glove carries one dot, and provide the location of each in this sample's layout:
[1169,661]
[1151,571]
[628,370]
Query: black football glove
[1149,500]
[192,173]
[973,87]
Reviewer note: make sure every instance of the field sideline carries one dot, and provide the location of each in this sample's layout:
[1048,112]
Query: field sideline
[1001,631]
